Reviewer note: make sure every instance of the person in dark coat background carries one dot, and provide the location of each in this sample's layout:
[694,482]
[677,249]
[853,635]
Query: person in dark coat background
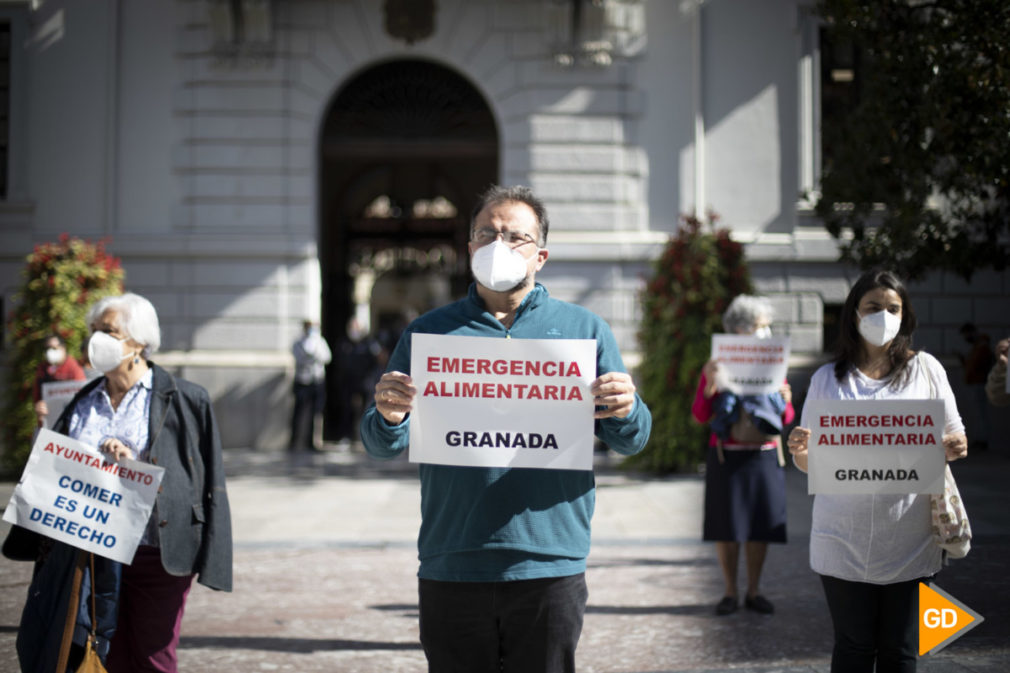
[136,410]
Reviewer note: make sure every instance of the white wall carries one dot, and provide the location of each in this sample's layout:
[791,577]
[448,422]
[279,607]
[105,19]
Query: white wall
[69,128]
[750,99]
[666,128]
[147,72]
[204,170]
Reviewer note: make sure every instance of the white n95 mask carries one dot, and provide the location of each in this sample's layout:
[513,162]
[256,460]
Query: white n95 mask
[498,267]
[105,352]
[880,327]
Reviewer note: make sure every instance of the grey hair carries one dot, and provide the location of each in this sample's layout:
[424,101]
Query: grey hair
[520,194]
[745,311]
[140,320]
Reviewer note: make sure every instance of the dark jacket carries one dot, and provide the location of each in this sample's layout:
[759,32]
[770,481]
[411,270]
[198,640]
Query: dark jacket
[192,505]
[191,509]
[765,410]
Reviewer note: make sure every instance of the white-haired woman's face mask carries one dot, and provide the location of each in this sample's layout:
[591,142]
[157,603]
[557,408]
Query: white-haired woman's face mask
[105,348]
[761,329]
[105,352]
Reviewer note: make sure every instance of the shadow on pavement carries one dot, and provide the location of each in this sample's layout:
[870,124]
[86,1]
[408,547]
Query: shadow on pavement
[293,645]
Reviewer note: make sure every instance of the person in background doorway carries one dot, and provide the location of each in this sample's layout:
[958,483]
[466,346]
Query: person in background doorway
[995,385]
[359,369]
[312,354]
[745,483]
[57,365]
[976,365]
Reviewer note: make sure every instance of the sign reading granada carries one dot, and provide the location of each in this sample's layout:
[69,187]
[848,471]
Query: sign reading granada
[71,493]
[875,446]
[492,402]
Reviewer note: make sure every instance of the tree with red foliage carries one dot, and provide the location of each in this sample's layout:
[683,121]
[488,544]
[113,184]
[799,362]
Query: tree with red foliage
[61,281]
[699,272]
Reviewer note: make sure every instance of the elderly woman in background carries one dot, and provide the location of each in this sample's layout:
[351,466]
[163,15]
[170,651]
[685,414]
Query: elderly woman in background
[745,497]
[136,410]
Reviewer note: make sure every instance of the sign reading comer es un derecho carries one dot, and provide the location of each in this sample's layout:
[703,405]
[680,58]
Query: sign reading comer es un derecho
[492,402]
[875,446]
[71,493]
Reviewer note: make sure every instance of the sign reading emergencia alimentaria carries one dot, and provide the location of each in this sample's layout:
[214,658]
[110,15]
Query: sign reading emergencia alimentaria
[493,402]
[875,446]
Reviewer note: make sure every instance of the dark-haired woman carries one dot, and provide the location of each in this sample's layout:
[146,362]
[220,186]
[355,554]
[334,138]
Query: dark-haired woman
[872,551]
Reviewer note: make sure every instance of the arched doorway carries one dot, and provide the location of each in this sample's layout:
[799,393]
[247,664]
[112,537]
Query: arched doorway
[405,147]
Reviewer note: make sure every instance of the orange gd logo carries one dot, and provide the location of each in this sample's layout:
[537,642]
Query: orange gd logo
[942,619]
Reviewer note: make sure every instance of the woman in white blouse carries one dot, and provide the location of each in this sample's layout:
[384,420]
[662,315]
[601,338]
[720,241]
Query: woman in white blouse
[872,551]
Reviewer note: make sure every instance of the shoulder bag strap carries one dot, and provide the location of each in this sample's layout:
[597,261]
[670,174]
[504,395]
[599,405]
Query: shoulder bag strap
[73,604]
[929,375]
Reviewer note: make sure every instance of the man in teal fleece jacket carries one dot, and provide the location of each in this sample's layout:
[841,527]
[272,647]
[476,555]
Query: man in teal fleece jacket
[503,550]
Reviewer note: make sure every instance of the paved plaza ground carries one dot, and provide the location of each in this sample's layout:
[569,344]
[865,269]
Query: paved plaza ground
[325,565]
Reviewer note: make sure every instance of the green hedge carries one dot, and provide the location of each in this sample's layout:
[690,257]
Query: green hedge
[60,282]
[699,272]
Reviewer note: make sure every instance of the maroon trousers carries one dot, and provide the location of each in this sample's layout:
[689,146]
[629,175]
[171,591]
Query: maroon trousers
[151,603]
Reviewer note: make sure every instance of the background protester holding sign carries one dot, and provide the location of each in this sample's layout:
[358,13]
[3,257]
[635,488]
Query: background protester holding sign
[57,365]
[745,484]
[503,550]
[136,410]
[872,551]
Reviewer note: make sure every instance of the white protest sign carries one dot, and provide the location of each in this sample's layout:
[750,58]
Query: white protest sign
[875,446]
[750,365]
[56,395]
[492,402]
[68,492]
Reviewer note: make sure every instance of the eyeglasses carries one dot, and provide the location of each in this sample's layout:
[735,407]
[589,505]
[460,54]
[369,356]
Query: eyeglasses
[514,239]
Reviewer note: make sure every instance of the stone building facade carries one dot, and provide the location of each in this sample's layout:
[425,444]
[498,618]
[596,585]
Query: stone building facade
[259,162]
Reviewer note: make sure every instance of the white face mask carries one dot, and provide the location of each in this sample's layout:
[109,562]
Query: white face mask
[498,267]
[763,332]
[105,352]
[879,328]
[54,356]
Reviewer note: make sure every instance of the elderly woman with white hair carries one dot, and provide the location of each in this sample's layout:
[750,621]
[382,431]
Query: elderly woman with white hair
[745,500]
[136,410]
